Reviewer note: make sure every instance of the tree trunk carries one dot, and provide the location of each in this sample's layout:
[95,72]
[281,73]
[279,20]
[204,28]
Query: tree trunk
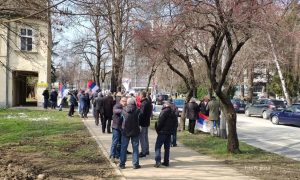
[282,80]
[230,116]
[250,82]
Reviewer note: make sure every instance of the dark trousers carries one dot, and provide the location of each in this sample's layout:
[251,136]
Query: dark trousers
[162,139]
[53,104]
[115,149]
[46,102]
[192,123]
[71,110]
[98,114]
[106,121]
[174,137]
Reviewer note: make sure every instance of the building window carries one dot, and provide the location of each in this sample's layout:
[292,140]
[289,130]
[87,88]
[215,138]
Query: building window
[26,39]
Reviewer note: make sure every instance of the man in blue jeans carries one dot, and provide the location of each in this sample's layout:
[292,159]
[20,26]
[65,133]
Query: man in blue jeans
[164,127]
[116,129]
[130,131]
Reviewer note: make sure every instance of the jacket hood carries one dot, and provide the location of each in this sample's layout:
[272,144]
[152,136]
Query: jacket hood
[130,108]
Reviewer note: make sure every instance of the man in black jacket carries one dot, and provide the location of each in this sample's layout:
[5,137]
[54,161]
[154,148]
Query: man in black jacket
[98,108]
[130,131]
[108,112]
[145,115]
[192,110]
[164,128]
[46,98]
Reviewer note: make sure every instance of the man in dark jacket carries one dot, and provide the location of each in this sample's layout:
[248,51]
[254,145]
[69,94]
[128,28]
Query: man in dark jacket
[164,128]
[130,131]
[108,112]
[46,98]
[174,133]
[98,108]
[53,98]
[116,129]
[203,106]
[72,102]
[145,116]
[192,114]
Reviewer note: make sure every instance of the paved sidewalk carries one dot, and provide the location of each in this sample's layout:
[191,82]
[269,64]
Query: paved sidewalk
[184,162]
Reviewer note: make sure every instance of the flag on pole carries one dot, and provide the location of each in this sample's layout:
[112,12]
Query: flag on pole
[202,123]
[93,87]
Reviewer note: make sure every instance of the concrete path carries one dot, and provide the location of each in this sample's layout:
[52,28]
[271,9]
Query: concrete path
[184,162]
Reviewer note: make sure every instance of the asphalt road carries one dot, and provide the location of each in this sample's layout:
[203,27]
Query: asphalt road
[261,133]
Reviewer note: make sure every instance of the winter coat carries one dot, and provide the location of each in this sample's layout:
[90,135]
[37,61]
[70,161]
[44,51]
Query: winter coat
[72,99]
[214,110]
[176,113]
[99,104]
[108,106]
[192,110]
[166,122]
[203,108]
[130,124]
[145,113]
[46,94]
[53,96]
[117,116]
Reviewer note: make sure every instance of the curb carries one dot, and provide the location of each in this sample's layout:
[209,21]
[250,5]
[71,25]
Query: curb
[104,151]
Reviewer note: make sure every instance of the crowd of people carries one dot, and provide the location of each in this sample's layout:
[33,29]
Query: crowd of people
[127,117]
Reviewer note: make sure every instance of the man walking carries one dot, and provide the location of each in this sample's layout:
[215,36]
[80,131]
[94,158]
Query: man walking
[174,133]
[98,108]
[116,129]
[192,114]
[108,112]
[53,98]
[72,102]
[164,128]
[46,98]
[214,115]
[145,116]
[130,131]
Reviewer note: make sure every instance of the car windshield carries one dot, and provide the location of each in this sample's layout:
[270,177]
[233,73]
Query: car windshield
[278,103]
[296,108]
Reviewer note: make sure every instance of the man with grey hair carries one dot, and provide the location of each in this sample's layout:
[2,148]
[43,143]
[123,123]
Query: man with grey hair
[130,131]
[214,115]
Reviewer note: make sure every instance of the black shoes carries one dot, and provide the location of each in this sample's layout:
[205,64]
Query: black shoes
[128,152]
[122,167]
[173,145]
[137,167]
[165,164]
[147,153]
[142,155]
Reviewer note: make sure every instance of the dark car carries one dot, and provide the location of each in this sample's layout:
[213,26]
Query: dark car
[179,103]
[264,107]
[238,105]
[161,98]
[290,115]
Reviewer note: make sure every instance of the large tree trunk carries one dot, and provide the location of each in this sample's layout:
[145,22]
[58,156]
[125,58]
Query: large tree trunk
[230,116]
[250,74]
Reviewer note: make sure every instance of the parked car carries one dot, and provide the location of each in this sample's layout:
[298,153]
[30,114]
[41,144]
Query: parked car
[264,107]
[290,115]
[179,103]
[238,105]
[160,98]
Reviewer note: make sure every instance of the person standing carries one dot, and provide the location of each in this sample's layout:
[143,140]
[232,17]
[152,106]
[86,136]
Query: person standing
[176,115]
[203,106]
[72,102]
[116,129]
[214,115]
[53,98]
[108,112]
[164,128]
[192,109]
[87,104]
[46,98]
[144,118]
[82,103]
[130,131]
[98,108]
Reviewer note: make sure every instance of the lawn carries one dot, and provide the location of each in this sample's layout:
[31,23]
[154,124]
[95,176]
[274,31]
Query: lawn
[49,143]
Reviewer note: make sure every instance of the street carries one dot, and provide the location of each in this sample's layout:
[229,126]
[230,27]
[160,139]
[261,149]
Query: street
[261,133]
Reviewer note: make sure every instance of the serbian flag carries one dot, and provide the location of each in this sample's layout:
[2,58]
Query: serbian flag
[93,87]
[202,123]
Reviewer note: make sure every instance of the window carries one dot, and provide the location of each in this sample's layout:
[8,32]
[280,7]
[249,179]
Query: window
[26,39]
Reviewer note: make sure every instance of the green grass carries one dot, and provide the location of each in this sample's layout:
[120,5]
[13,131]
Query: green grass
[51,135]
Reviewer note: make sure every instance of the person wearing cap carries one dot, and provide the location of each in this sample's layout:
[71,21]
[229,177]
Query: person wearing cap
[164,128]
[192,110]
[214,115]
[130,131]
